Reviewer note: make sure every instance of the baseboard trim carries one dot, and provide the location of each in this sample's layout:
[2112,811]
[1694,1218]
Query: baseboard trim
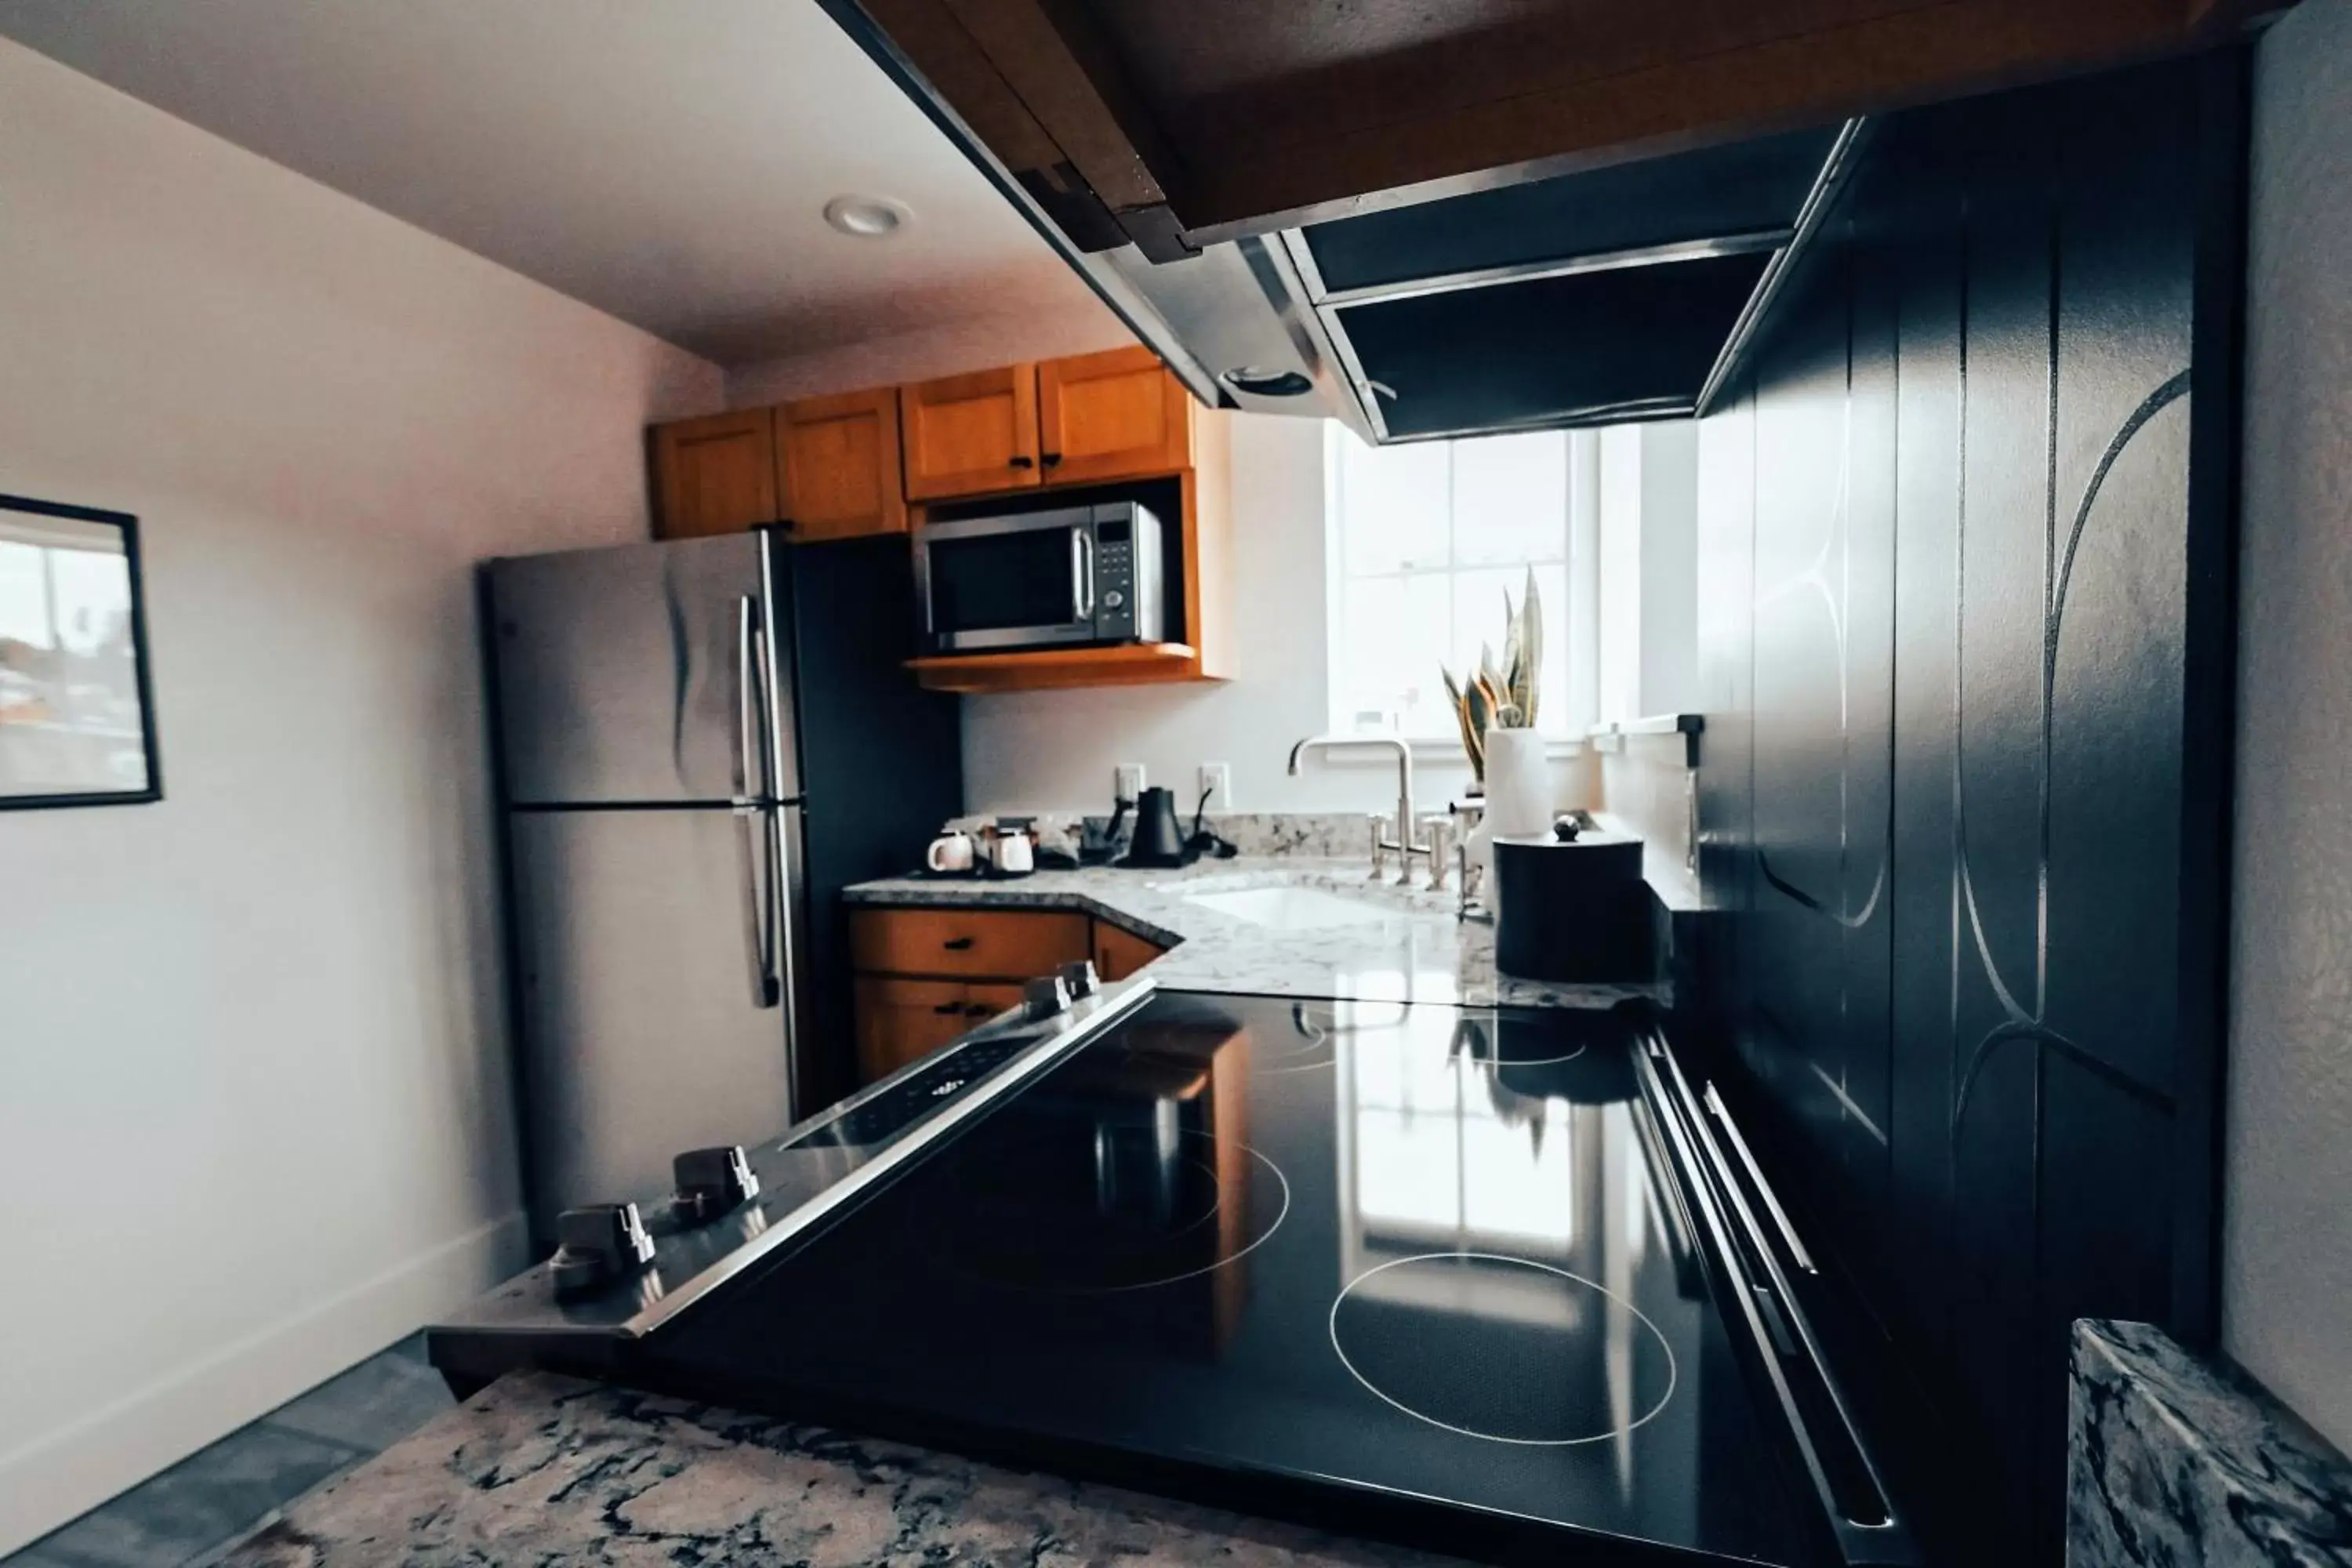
[64,1473]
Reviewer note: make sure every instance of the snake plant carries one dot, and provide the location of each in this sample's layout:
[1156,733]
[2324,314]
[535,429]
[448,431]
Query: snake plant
[1501,697]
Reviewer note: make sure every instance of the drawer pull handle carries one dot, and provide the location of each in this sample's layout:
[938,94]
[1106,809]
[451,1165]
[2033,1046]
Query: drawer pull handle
[958,944]
[948,1009]
[978,1010]
[1024,462]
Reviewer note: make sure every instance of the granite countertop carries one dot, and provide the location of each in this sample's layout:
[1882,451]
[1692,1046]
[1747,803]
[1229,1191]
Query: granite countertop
[539,1468]
[2173,1460]
[1415,949]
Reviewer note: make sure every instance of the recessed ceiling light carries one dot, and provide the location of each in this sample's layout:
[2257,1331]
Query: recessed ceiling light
[868,218]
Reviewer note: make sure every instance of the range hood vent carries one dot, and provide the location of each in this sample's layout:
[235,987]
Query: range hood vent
[1621,291]
[1596,298]
[1597,347]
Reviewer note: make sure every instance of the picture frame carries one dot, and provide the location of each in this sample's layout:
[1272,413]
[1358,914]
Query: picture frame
[76,699]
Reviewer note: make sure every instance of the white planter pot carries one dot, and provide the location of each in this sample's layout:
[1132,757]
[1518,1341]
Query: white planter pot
[1519,784]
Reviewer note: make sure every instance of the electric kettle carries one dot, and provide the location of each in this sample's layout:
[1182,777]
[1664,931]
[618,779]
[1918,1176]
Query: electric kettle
[1158,840]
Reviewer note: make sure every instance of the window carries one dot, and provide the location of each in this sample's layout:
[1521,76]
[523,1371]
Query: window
[1426,538]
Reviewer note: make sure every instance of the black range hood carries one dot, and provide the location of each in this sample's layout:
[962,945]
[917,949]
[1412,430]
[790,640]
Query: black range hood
[1622,291]
[1614,294]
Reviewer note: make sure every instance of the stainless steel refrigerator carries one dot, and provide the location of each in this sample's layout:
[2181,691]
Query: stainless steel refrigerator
[702,742]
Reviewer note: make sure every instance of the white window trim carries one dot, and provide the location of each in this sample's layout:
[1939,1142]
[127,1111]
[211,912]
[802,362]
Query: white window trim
[1425,748]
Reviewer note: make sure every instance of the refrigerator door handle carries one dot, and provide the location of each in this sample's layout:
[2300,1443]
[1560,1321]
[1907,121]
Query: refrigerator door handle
[781,981]
[760,904]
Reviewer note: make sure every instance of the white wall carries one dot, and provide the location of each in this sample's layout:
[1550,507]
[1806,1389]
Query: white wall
[2287,1246]
[1055,750]
[254,1098]
[1649,570]
[980,342]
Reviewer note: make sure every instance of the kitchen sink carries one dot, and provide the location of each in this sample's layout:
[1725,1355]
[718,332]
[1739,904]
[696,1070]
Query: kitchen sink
[1290,909]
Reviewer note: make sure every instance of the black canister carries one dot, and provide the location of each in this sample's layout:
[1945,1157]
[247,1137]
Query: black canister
[1572,908]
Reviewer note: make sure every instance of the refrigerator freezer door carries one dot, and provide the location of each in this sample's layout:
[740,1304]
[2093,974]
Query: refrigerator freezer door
[621,673]
[646,1031]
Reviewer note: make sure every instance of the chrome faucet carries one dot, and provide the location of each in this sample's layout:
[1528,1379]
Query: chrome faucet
[1403,845]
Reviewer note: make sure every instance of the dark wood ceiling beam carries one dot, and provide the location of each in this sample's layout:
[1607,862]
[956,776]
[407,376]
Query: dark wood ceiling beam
[1053,58]
[1325,161]
[1579,84]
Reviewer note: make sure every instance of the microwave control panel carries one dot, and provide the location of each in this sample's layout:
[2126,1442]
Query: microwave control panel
[1115,578]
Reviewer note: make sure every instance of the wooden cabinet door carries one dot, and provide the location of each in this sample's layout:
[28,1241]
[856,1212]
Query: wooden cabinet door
[1112,415]
[900,1021]
[716,474]
[968,434]
[1119,953]
[839,459]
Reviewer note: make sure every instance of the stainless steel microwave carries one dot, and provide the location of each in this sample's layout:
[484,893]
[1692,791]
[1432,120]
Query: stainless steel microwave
[1042,579]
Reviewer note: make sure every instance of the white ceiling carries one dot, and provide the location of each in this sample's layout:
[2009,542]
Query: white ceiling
[664,162]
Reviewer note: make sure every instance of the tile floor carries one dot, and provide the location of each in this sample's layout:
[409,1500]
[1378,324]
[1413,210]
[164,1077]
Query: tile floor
[218,1494]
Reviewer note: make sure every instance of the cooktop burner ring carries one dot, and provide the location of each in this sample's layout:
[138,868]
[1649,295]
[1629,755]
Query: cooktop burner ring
[1625,1429]
[1009,1281]
[1282,1183]
[1530,1061]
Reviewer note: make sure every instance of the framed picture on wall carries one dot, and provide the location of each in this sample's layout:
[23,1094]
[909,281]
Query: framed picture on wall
[77,712]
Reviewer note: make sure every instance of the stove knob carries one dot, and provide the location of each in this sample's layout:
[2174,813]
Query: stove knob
[1078,974]
[597,1245]
[713,1182]
[1045,996]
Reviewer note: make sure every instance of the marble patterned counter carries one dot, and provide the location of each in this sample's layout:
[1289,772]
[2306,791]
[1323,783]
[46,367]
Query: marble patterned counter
[539,1468]
[1413,949]
[2172,1463]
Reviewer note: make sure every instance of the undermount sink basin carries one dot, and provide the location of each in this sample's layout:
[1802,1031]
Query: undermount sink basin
[1291,908]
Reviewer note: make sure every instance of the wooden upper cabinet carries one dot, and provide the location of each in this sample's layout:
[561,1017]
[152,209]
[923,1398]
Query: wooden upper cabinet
[716,474]
[839,461]
[969,434]
[1110,416]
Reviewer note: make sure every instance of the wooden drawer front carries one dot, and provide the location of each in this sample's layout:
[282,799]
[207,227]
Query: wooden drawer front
[900,1021]
[1119,953]
[995,944]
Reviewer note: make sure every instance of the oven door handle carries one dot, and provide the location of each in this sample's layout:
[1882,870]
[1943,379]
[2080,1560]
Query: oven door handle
[1082,574]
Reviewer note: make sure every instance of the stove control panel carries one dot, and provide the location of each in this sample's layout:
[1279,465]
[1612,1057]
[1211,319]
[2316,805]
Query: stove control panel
[713,1182]
[598,1245]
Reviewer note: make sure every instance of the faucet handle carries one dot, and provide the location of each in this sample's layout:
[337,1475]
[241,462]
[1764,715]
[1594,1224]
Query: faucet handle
[1441,851]
[1381,832]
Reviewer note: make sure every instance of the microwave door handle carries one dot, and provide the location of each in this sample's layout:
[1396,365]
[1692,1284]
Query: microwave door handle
[1082,574]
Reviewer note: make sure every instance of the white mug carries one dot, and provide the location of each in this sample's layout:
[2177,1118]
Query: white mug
[1013,854]
[950,852]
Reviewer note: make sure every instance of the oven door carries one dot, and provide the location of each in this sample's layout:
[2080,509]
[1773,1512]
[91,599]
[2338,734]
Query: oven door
[1024,580]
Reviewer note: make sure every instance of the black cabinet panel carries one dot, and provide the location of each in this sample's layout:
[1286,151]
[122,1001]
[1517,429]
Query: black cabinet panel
[1949,645]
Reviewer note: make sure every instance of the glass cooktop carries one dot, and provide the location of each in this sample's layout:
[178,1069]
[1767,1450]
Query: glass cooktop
[1328,1254]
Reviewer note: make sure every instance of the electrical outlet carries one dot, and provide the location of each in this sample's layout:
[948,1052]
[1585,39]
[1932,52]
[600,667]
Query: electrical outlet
[1217,784]
[1126,780]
